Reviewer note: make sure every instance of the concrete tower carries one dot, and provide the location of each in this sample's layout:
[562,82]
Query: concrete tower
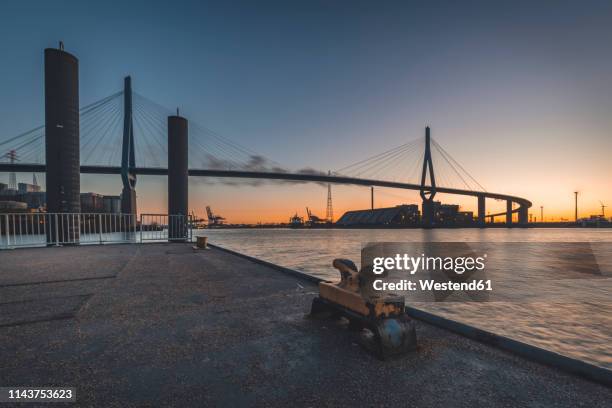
[178,175]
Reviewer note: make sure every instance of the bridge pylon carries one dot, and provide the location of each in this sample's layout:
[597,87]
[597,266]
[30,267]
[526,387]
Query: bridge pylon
[428,192]
[128,154]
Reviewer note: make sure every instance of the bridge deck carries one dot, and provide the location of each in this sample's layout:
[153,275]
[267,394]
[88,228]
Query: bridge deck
[303,177]
[160,324]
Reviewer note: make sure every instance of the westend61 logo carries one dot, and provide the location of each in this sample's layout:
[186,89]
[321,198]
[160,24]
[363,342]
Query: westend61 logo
[412,264]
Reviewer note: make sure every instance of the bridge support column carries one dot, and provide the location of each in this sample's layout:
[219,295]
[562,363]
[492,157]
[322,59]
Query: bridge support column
[427,216]
[62,143]
[509,213]
[178,177]
[481,210]
[523,215]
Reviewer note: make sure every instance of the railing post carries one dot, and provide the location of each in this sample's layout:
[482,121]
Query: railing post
[140,228]
[100,228]
[8,235]
[56,231]
[133,227]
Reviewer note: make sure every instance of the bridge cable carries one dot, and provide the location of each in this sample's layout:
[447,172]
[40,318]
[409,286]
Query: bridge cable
[444,152]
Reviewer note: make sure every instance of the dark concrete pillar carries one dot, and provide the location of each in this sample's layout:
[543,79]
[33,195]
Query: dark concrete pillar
[509,213]
[372,197]
[178,176]
[481,210]
[427,216]
[128,154]
[62,142]
[523,215]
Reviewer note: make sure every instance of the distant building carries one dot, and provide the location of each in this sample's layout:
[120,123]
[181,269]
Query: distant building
[449,215]
[401,215]
[5,191]
[111,204]
[36,200]
[12,206]
[595,221]
[445,214]
[92,203]
[24,188]
[32,200]
[465,218]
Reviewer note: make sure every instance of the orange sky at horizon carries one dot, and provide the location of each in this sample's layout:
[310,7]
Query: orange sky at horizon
[519,96]
[253,202]
[273,202]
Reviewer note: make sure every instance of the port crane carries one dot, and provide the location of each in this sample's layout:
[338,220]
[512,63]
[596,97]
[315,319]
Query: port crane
[313,219]
[296,221]
[212,218]
[197,222]
[603,210]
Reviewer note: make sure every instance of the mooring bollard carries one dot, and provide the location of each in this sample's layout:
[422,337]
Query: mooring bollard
[202,243]
[391,331]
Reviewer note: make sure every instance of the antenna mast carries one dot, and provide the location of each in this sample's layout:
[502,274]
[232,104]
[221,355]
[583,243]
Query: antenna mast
[329,214]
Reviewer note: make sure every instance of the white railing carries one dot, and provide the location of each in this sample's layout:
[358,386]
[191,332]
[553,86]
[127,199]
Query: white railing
[48,229]
[164,227]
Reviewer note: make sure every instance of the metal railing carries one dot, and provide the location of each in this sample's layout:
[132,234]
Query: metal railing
[48,229]
[164,227]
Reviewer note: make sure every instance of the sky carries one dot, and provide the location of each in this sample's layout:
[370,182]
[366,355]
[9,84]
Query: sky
[519,93]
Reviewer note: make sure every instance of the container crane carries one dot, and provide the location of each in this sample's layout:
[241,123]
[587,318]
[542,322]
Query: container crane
[212,218]
[313,219]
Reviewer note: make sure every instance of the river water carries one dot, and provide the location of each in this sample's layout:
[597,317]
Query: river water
[573,319]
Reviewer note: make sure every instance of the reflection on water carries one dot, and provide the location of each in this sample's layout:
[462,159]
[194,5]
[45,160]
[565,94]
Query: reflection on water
[574,317]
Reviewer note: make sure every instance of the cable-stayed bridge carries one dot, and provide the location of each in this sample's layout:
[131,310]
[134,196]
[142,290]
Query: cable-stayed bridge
[128,134]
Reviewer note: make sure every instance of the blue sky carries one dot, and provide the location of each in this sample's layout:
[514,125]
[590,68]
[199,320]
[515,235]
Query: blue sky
[519,92]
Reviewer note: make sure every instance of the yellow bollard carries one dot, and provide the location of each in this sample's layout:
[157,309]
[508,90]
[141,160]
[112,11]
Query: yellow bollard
[202,243]
[389,329]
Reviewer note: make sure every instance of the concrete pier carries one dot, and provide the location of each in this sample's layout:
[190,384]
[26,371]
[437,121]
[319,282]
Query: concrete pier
[166,325]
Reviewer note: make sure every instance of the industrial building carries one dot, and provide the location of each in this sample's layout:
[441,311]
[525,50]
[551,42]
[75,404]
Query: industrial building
[449,215]
[23,188]
[32,198]
[13,207]
[92,203]
[98,203]
[399,216]
[407,215]
[112,204]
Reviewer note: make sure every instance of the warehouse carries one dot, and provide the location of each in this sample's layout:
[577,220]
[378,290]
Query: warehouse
[404,215]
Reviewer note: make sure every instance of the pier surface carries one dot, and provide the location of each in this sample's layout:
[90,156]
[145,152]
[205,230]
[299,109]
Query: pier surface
[162,324]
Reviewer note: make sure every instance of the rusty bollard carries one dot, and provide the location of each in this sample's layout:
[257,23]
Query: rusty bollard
[201,243]
[388,329]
